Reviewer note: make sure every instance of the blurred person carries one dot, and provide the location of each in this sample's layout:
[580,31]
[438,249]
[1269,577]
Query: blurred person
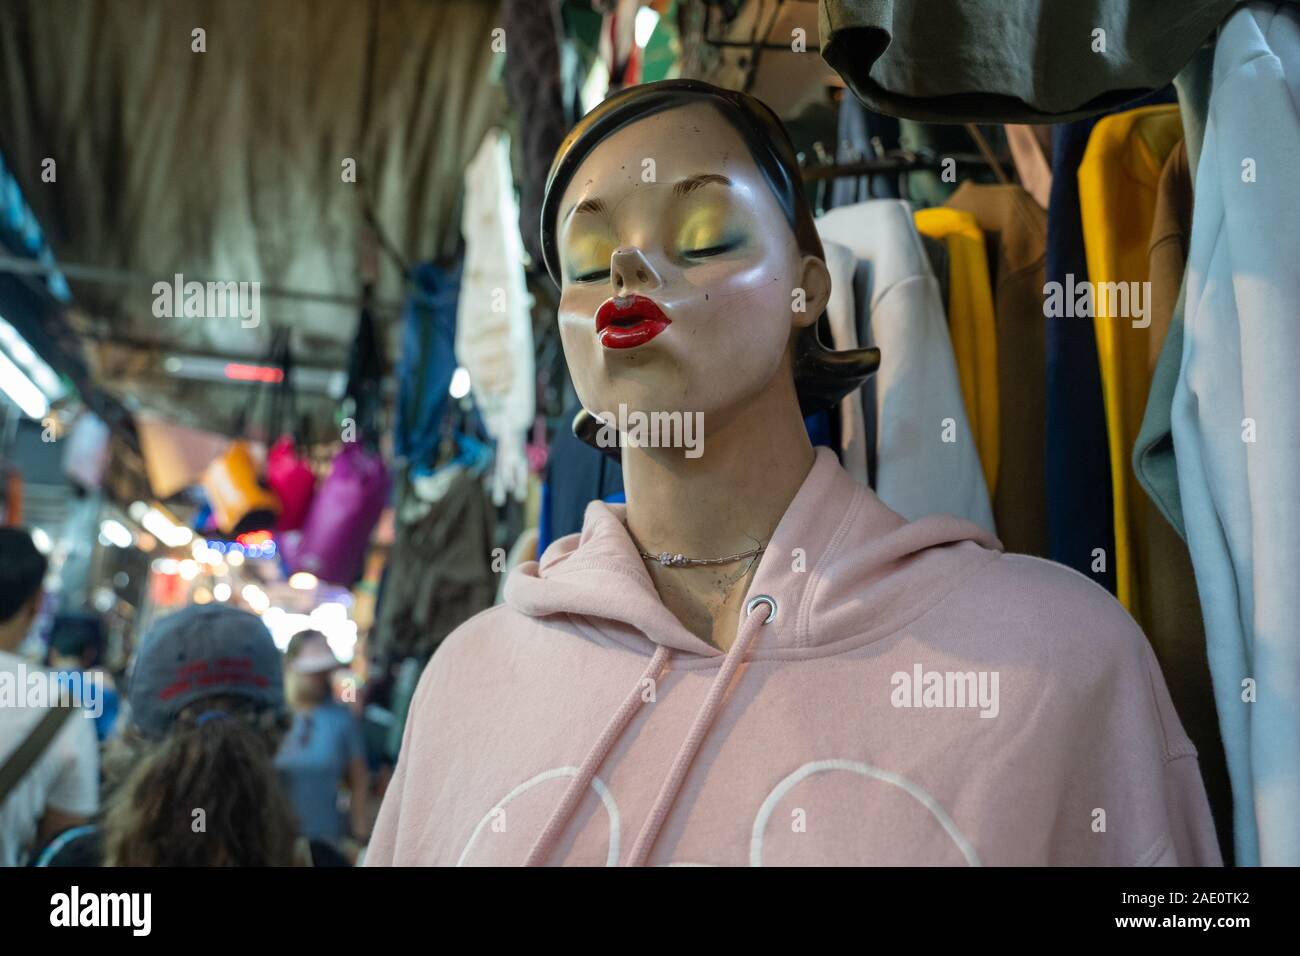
[49,762]
[191,775]
[324,750]
[76,645]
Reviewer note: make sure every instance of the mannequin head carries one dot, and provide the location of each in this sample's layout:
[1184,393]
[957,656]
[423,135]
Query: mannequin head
[691,274]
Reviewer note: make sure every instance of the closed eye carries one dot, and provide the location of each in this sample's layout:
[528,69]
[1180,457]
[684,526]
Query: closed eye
[707,251]
[592,276]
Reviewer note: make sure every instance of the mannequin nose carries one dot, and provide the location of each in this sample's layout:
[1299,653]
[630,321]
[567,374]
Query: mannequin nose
[630,271]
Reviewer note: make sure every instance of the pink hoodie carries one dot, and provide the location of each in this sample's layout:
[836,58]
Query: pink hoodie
[917,697]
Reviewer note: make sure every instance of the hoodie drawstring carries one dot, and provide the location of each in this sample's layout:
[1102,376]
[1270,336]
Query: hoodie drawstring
[595,757]
[681,764]
[672,784]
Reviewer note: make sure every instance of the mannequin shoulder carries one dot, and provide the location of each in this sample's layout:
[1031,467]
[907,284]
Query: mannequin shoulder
[478,636]
[492,642]
[1052,614]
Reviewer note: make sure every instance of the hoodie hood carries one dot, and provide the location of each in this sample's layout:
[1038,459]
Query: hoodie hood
[842,567]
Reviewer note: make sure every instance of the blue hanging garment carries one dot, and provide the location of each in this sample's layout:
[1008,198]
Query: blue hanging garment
[428,360]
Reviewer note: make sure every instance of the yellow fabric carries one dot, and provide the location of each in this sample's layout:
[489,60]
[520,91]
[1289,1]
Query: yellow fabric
[1118,180]
[971,324]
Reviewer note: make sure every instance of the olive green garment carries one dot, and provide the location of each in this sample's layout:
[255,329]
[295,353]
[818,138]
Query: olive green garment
[1154,462]
[1172,610]
[1011,61]
[1015,231]
[936,250]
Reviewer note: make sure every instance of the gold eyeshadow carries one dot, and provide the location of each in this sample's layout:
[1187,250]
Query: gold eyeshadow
[587,252]
[708,224]
[705,225]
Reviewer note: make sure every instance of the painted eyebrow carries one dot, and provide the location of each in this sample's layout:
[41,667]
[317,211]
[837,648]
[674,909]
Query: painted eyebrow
[692,183]
[680,188]
[587,205]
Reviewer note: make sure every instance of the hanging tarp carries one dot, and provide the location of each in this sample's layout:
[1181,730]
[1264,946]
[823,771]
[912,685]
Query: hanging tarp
[235,141]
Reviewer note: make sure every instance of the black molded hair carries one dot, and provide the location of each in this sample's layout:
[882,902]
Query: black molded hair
[822,376]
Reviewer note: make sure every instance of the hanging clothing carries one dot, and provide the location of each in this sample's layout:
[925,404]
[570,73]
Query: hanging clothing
[926,459]
[857,128]
[440,567]
[971,326]
[1118,178]
[1079,508]
[494,330]
[1010,61]
[611,735]
[1015,229]
[854,439]
[936,250]
[1154,459]
[576,475]
[1029,154]
[426,363]
[535,89]
[1171,232]
[1234,419]
[1080,521]
[1154,463]
[1193,85]
[1174,624]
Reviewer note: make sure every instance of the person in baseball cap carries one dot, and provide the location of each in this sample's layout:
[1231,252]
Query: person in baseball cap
[198,785]
[204,651]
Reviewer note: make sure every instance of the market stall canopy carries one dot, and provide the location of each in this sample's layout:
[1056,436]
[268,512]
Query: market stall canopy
[215,141]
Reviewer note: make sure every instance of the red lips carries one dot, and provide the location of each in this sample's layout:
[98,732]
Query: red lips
[625,323]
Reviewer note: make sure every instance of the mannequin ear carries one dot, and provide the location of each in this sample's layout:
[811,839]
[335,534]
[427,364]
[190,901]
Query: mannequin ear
[815,283]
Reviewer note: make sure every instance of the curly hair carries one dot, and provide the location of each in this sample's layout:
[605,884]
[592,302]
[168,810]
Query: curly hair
[206,794]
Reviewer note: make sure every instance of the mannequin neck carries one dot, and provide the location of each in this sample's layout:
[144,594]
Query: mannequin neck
[730,499]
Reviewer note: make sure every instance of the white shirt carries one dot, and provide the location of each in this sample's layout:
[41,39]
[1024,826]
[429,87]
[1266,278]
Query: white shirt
[899,310]
[65,777]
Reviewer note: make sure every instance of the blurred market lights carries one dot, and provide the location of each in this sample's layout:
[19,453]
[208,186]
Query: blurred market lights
[303,581]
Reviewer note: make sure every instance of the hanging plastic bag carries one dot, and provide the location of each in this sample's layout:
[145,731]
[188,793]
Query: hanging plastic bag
[288,473]
[239,502]
[85,451]
[343,515]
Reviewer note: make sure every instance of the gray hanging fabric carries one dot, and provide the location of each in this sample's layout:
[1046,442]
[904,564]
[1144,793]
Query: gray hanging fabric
[1011,61]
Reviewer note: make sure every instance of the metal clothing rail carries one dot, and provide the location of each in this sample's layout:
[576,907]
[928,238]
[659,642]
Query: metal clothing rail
[903,161]
[121,277]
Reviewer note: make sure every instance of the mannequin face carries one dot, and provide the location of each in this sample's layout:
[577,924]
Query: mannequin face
[676,294]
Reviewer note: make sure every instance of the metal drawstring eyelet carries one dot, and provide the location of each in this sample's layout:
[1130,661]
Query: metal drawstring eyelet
[762,599]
